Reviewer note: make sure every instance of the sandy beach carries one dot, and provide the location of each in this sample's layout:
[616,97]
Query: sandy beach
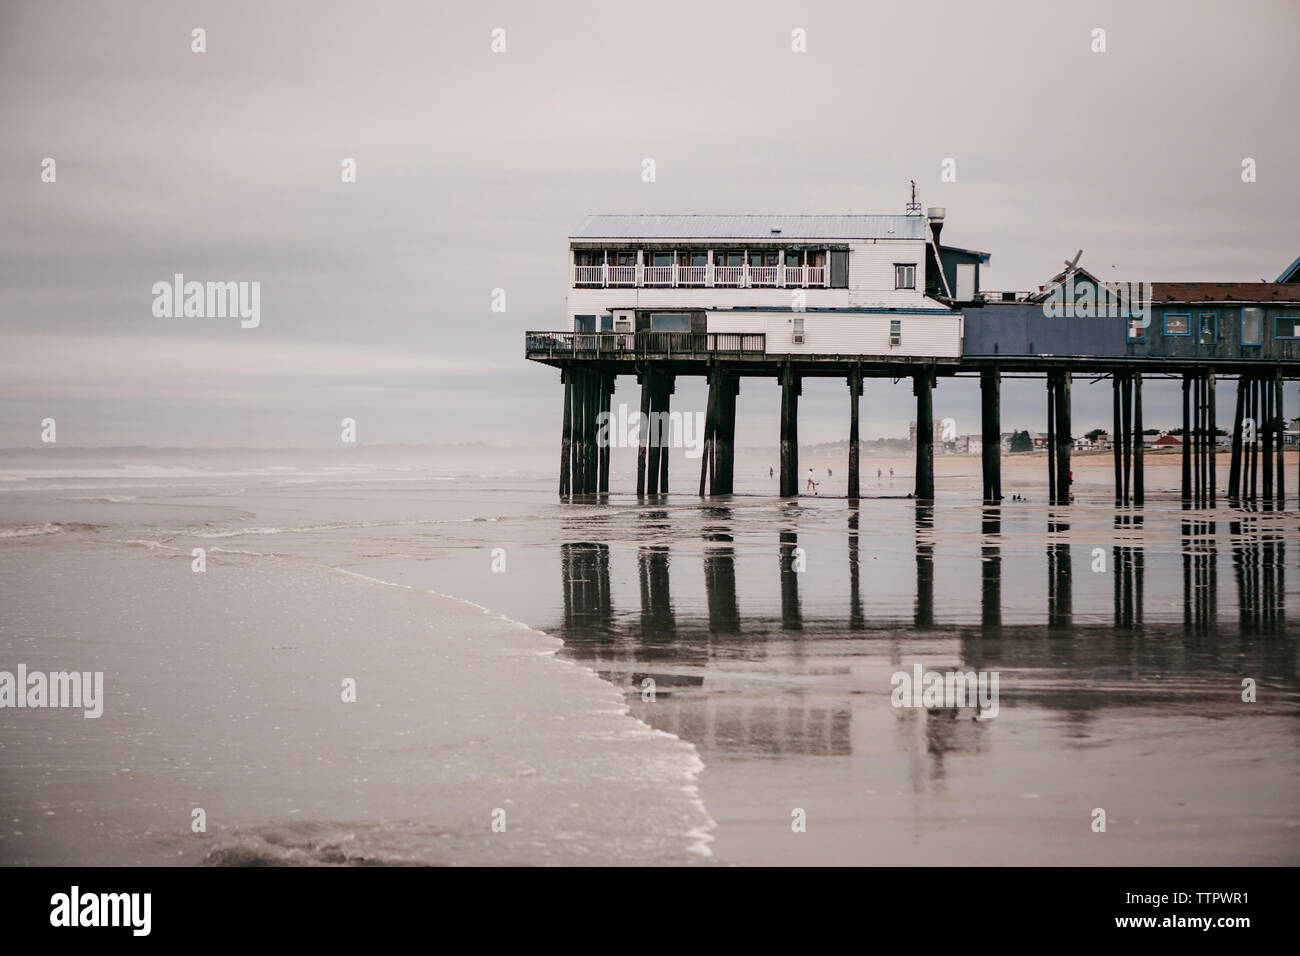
[1120,687]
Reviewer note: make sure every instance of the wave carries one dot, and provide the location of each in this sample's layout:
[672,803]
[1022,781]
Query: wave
[50,527]
[27,531]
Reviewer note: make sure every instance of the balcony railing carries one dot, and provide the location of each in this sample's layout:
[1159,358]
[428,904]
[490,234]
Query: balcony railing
[638,344]
[715,276]
[658,275]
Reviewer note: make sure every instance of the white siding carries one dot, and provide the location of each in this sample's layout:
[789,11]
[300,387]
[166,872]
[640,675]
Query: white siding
[931,336]
[871,285]
[871,274]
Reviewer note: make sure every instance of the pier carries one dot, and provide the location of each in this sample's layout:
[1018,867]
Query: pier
[876,299]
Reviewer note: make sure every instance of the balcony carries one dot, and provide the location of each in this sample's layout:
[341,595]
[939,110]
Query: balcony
[629,345]
[700,277]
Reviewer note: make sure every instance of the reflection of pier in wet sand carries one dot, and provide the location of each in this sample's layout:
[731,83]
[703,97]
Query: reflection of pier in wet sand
[684,646]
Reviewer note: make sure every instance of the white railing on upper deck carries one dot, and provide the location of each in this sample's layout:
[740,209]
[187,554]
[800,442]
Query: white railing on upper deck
[730,277]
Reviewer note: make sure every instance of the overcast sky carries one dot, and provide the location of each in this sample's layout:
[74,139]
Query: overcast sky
[473,167]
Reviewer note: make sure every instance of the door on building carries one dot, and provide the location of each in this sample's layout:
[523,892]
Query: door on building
[965,281]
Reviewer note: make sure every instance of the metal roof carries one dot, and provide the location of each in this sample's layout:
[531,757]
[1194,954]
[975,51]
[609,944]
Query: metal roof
[750,227]
[1188,292]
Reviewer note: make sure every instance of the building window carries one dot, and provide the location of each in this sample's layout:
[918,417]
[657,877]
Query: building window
[1252,326]
[904,276]
[895,332]
[1137,330]
[670,321]
[1286,327]
[584,323]
[1209,323]
[1179,323]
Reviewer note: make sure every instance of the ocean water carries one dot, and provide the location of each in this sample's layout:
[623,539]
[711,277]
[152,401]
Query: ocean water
[663,680]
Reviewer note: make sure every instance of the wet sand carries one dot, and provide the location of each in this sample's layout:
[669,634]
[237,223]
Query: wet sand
[1120,688]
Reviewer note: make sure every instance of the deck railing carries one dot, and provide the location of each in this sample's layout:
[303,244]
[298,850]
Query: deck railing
[633,345]
[658,275]
[726,277]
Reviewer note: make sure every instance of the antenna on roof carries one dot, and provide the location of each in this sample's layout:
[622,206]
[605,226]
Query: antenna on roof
[914,207]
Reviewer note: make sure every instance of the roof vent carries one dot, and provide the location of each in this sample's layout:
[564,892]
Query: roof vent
[936,213]
[776,228]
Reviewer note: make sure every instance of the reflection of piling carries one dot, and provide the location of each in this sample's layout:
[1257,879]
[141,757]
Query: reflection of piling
[1060,586]
[1200,577]
[720,588]
[588,601]
[1127,574]
[923,616]
[791,614]
[1259,568]
[657,616]
[991,570]
[856,618]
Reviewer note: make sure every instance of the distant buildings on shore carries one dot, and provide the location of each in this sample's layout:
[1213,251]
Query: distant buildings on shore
[947,442]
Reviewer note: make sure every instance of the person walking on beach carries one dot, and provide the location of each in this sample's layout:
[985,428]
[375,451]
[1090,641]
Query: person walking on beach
[891,474]
[879,474]
[771,473]
[812,485]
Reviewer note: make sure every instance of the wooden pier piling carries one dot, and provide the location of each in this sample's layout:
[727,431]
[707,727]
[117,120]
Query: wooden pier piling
[566,431]
[991,433]
[922,387]
[855,392]
[790,387]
